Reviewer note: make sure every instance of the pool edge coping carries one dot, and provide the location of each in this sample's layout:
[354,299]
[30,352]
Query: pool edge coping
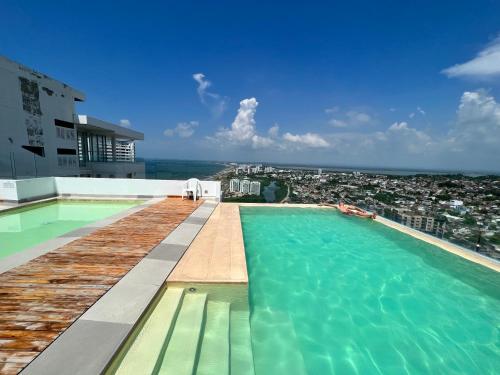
[96,323]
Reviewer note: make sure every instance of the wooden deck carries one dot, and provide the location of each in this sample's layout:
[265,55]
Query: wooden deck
[217,255]
[43,297]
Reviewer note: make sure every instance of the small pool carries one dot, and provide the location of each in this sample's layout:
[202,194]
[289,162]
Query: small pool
[331,294]
[29,226]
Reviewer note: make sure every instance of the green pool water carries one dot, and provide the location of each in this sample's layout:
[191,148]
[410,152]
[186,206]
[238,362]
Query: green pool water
[29,226]
[331,294]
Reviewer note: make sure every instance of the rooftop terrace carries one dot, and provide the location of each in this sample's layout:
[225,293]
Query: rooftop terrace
[43,297]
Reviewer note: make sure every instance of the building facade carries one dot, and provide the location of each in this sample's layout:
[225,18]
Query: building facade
[255,188]
[234,185]
[245,186]
[41,134]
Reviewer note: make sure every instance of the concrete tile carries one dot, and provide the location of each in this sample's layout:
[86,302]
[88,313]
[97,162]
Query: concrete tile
[80,232]
[83,349]
[210,204]
[166,251]
[149,272]
[124,303]
[183,234]
[203,212]
[195,220]
[25,256]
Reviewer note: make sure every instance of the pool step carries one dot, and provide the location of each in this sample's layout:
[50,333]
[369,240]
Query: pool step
[188,334]
[214,353]
[241,344]
[181,354]
[284,359]
[144,352]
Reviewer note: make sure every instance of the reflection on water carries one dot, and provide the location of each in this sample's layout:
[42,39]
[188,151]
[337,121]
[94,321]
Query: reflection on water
[270,192]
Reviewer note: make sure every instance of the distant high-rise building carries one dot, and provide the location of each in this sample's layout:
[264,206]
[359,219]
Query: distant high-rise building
[320,171]
[234,185]
[245,186]
[268,169]
[255,188]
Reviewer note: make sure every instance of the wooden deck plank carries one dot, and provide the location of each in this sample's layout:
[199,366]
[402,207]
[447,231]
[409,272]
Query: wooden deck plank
[42,298]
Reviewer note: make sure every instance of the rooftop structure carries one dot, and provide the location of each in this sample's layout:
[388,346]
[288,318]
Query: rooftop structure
[42,135]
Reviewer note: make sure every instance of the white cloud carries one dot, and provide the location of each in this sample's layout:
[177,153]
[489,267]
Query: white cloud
[351,118]
[358,118]
[332,110]
[243,127]
[411,115]
[421,111]
[308,139]
[477,129]
[392,109]
[261,142]
[183,129]
[273,131]
[125,123]
[243,130]
[215,102]
[485,64]
[338,123]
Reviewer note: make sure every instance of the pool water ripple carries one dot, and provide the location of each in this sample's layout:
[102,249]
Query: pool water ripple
[337,295]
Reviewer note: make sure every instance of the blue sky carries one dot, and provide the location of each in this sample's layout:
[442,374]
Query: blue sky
[381,83]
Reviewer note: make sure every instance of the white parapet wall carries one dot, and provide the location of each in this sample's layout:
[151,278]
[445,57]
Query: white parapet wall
[38,188]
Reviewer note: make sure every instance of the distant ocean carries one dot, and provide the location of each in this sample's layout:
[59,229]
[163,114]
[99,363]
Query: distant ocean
[165,169]
[162,169]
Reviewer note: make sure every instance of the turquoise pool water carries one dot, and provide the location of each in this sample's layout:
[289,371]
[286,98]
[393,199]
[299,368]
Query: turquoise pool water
[29,226]
[331,294]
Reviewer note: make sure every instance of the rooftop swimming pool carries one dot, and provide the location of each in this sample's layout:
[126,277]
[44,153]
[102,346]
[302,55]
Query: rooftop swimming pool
[331,294]
[32,225]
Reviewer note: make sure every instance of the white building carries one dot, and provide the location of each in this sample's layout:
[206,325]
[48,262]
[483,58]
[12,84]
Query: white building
[455,204]
[234,185]
[41,135]
[255,188]
[245,186]
[268,169]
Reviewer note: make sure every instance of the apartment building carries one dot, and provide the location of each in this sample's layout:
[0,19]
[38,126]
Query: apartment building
[234,185]
[42,135]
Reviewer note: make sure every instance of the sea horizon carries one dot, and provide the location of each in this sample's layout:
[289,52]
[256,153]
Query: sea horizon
[158,168]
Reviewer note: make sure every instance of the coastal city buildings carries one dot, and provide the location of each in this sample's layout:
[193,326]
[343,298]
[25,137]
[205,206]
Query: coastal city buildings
[244,186]
[42,135]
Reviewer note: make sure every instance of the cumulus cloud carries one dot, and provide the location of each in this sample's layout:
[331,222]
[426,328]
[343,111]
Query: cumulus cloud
[125,123]
[243,127]
[215,102]
[183,129]
[485,65]
[477,129]
[308,139]
[472,141]
[351,118]
[262,142]
[273,131]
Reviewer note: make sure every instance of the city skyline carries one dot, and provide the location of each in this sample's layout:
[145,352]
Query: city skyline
[395,86]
